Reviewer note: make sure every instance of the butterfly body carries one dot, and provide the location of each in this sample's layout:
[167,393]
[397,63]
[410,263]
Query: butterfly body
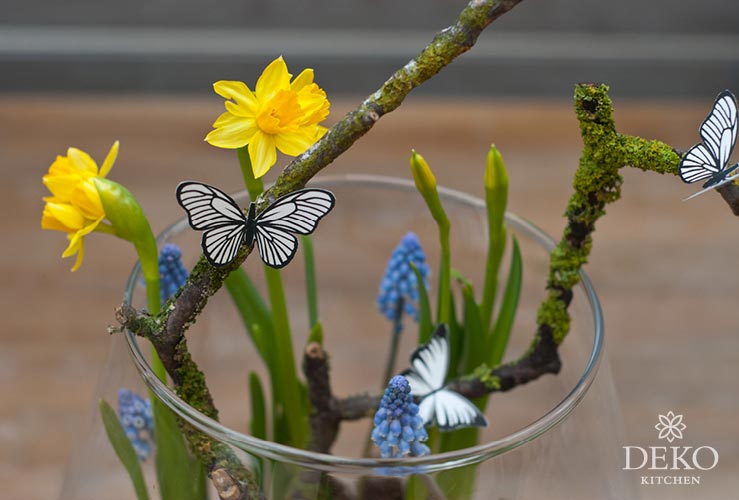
[719,176]
[250,227]
[709,159]
[225,227]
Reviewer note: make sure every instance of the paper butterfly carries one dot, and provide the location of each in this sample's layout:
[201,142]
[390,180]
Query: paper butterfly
[430,363]
[225,227]
[709,158]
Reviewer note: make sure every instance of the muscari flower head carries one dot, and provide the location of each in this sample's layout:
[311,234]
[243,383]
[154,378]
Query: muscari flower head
[75,206]
[172,273]
[399,288]
[279,114]
[399,429]
[137,420]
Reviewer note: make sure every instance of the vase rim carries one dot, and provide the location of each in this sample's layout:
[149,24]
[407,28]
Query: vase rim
[410,465]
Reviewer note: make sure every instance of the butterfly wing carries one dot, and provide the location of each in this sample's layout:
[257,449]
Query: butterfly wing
[429,364]
[719,129]
[298,213]
[221,244]
[211,210]
[697,164]
[276,246]
[207,206]
[453,411]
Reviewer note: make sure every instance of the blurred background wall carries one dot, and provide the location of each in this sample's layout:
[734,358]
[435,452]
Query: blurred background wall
[658,48]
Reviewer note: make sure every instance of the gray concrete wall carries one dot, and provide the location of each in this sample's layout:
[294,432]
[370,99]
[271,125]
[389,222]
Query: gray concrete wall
[643,48]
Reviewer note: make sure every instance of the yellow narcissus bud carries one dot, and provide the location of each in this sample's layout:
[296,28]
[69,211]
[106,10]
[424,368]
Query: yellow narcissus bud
[422,175]
[496,190]
[426,185]
[496,176]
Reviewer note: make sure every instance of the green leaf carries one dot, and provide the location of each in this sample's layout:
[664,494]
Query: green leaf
[425,323]
[310,280]
[456,339]
[199,485]
[258,424]
[255,187]
[508,308]
[172,457]
[253,311]
[473,348]
[123,448]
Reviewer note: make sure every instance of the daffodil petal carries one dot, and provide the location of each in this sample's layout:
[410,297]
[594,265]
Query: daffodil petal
[82,161]
[274,78]
[304,78]
[87,200]
[80,256]
[233,134]
[110,159]
[295,143]
[48,221]
[61,166]
[76,246]
[65,215]
[238,91]
[262,153]
[241,110]
[61,186]
[227,119]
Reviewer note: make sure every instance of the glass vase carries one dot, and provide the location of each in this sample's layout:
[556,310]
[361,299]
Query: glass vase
[558,437]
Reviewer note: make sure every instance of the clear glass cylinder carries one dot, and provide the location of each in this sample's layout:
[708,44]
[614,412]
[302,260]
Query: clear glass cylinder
[557,437]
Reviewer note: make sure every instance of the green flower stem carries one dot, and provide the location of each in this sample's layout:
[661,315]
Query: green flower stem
[286,391]
[128,222]
[146,248]
[311,286]
[285,360]
[444,313]
[426,185]
[496,199]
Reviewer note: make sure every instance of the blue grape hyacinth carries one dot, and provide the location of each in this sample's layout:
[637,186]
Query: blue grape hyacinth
[172,273]
[399,288]
[137,419]
[399,429]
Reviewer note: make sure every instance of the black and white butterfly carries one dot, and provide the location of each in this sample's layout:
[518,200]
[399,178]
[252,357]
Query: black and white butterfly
[708,159]
[225,227]
[449,409]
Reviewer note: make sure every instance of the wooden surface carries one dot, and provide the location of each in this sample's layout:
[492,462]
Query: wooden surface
[665,270]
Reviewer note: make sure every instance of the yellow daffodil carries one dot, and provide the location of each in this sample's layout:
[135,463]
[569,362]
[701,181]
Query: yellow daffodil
[75,206]
[279,114]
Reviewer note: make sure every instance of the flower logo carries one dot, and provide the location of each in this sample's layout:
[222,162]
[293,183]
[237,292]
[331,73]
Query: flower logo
[670,426]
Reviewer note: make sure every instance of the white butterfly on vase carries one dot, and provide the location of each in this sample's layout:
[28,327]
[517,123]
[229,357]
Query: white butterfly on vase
[226,227]
[709,159]
[448,408]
